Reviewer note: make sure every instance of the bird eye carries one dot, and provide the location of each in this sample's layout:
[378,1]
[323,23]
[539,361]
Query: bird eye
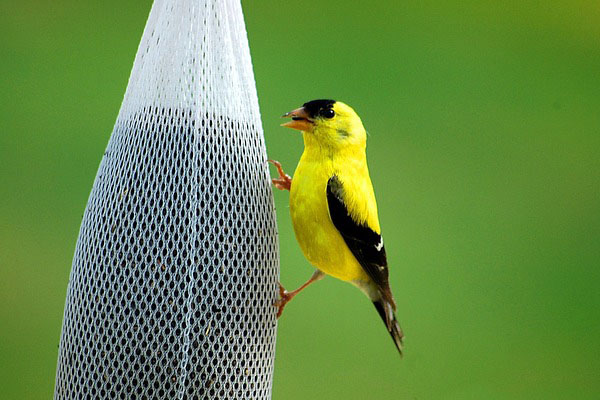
[328,113]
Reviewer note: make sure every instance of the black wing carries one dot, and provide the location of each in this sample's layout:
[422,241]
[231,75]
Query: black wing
[363,242]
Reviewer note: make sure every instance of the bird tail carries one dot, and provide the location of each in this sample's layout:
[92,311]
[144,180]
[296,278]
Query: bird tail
[386,312]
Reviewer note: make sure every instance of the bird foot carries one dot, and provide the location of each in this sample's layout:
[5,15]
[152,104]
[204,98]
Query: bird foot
[284,298]
[284,182]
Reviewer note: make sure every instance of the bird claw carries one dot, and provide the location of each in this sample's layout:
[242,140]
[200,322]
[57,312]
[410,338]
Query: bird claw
[284,182]
[284,298]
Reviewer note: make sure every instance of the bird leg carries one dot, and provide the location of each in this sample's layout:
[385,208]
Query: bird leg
[286,296]
[284,182]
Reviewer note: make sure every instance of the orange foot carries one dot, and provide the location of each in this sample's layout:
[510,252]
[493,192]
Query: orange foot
[284,182]
[285,296]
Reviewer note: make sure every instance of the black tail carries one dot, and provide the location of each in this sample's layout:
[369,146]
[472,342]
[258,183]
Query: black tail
[386,312]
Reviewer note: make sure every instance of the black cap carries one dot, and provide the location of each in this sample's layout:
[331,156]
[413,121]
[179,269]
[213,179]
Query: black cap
[314,107]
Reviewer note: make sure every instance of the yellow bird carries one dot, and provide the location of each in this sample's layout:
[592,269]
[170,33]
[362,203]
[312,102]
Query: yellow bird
[333,207]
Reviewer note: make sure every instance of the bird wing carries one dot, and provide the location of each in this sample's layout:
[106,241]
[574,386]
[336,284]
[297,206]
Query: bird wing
[364,243]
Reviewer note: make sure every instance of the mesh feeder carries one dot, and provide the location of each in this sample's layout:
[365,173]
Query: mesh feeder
[175,271]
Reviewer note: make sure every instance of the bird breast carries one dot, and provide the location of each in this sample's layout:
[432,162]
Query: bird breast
[318,238]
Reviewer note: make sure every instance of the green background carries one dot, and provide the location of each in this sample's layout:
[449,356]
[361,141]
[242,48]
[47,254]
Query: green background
[484,122]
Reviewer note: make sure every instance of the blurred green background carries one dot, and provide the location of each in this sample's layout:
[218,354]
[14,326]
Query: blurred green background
[484,122]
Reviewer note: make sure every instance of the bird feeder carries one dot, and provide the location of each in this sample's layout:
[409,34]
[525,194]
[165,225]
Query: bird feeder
[174,277]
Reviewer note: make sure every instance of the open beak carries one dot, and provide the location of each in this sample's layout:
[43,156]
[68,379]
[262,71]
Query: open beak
[300,120]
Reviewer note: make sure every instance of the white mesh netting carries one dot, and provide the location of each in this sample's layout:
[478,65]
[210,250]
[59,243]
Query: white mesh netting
[175,271]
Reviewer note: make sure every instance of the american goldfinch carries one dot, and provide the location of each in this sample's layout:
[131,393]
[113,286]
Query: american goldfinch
[333,208]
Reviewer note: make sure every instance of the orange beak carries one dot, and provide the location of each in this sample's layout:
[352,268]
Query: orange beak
[300,120]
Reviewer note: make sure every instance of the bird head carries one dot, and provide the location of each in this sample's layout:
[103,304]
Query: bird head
[328,123]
